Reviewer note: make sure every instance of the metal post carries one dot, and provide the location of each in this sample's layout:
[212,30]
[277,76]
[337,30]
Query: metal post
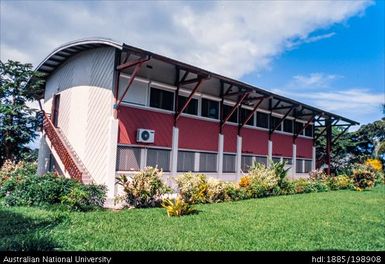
[328,143]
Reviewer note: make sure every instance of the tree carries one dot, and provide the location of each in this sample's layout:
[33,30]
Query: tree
[18,122]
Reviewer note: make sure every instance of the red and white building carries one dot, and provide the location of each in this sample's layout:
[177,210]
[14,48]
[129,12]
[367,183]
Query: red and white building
[111,108]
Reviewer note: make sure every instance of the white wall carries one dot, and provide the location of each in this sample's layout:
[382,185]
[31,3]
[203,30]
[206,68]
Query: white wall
[85,84]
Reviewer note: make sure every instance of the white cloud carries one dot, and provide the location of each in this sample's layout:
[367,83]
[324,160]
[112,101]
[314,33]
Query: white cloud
[313,80]
[232,38]
[359,104]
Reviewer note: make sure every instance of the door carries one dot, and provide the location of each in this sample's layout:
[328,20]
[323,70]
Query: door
[55,109]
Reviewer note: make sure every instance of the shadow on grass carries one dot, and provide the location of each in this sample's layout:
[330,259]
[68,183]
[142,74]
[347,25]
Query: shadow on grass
[23,233]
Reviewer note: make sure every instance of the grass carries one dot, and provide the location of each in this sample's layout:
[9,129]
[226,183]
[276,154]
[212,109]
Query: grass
[339,220]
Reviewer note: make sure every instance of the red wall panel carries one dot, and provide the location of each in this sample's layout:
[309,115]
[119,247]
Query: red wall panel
[230,138]
[282,145]
[130,119]
[198,134]
[304,147]
[254,141]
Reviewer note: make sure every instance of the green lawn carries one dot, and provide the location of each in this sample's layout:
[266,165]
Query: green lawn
[339,220]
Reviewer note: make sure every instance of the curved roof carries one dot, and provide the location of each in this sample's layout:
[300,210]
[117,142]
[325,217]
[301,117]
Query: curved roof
[60,54]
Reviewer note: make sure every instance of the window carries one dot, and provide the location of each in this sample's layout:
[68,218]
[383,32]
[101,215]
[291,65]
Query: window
[276,159]
[185,161]
[274,122]
[128,159]
[245,113]
[288,126]
[162,99]
[246,162]
[207,162]
[262,120]
[159,157]
[307,166]
[297,127]
[309,131]
[299,166]
[262,160]
[226,110]
[288,161]
[210,108]
[192,107]
[228,163]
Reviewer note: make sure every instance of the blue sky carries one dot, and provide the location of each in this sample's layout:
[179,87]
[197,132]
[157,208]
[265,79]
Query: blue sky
[329,54]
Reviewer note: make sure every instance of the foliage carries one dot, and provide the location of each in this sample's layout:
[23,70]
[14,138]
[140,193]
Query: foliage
[218,191]
[20,186]
[340,182]
[18,122]
[177,207]
[263,180]
[288,187]
[193,187]
[144,188]
[280,171]
[244,181]
[318,175]
[363,177]
[374,163]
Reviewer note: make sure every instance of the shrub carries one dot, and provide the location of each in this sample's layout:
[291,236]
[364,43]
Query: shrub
[340,182]
[193,187]
[380,177]
[144,188]
[263,180]
[363,177]
[318,175]
[301,185]
[85,197]
[288,187]
[244,181]
[318,186]
[177,207]
[25,189]
[375,164]
[280,171]
[216,191]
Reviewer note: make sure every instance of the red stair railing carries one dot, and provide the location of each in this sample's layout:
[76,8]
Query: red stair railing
[61,149]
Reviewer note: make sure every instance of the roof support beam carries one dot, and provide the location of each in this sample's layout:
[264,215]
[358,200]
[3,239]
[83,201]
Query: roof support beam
[235,107]
[281,120]
[241,124]
[179,112]
[132,77]
[296,134]
[133,63]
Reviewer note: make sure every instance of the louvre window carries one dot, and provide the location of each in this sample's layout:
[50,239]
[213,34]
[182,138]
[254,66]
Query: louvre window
[228,163]
[226,110]
[185,161]
[192,107]
[299,166]
[244,114]
[275,121]
[309,131]
[262,160]
[297,127]
[162,99]
[262,120]
[308,164]
[159,157]
[210,108]
[246,162]
[207,162]
[128,158]
[288,126]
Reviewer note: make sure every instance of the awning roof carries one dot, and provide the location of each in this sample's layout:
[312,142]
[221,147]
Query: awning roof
[62,53]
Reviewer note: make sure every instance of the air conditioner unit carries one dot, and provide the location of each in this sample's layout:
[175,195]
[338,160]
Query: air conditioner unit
[145,135]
